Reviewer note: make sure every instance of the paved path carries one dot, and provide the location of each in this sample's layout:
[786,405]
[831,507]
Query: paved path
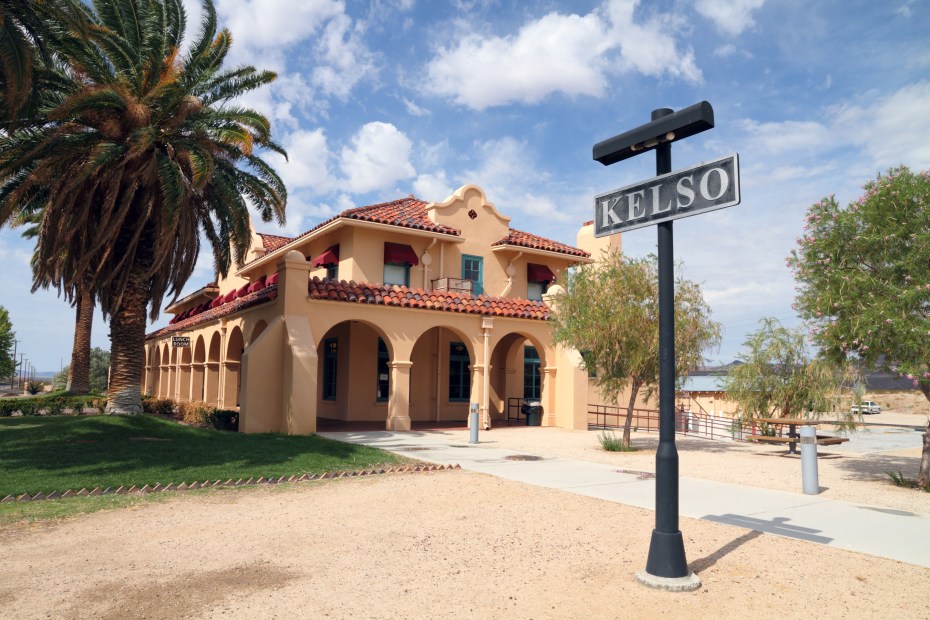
[882,532]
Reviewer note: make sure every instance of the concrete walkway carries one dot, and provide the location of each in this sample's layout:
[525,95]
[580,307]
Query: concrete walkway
[882,532]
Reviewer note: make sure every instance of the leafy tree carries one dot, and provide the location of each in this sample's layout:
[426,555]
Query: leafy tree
[610,313]
[779,378]
[99,367]
[864,282]
[141,153]
[7,363]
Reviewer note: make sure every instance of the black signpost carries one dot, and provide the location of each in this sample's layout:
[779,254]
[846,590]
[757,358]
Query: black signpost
[661,200]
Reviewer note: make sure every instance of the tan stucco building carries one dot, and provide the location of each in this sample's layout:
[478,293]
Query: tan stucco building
[397,313]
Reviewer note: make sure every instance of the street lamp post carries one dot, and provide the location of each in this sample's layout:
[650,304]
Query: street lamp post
[666,565]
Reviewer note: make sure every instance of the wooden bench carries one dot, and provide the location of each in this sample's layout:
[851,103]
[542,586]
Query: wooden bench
[822,440]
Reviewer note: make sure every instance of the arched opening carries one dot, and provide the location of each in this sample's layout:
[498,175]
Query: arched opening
[212,379]
[154,372]
[164,373]
[173,375]
[353,374]
[231,366]
[517,375]
[184,375]
[441,378]
[198,370]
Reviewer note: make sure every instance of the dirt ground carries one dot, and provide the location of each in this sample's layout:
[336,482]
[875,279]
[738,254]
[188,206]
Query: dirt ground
[455,545]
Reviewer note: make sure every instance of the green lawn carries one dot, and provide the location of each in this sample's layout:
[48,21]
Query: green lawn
[74,452]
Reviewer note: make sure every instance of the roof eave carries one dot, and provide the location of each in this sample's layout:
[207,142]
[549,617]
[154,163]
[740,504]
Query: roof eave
[547,253]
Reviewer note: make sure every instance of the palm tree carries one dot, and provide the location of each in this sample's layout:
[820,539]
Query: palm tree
[26,29]
[141,155]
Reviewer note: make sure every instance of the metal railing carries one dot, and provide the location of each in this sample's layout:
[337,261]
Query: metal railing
[515,410]
[452,285]
[695,424]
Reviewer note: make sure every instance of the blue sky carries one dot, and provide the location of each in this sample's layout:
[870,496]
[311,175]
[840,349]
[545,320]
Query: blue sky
[377,100]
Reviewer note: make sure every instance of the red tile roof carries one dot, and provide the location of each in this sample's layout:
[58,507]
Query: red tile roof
[261,296]
[529,240]
[273,242]
[408,212]
[405,297]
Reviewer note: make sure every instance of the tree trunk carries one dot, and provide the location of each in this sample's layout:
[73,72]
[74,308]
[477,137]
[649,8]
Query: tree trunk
[79,372]
[923,476]
[127,347]
[634,390]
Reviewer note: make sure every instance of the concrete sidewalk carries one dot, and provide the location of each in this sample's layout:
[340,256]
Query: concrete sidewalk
[882,532]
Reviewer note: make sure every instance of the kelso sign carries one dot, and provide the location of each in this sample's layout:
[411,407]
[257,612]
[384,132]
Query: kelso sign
[705,187]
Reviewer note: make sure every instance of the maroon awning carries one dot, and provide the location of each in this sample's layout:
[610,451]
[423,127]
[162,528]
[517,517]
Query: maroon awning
[400,253]
[539,273]
[329,257]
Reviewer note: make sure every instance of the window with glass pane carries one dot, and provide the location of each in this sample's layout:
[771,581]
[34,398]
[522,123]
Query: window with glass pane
[384,371]
[397,273]
[472,268]
[534,290]
[459,379]
[330,361]
[532,387]
[332,271]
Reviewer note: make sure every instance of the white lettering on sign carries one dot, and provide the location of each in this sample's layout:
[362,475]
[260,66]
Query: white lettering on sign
[701,188]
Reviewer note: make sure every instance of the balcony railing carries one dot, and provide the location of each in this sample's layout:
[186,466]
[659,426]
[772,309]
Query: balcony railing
[452,285]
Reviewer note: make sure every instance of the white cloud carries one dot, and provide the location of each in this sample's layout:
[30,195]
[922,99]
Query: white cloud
[378,157]
[413,109]
[275,23]
[432,187]
[725,51]
[308,164]
[568,54]
[344,57]
[787,136]
[730,16]
[893,130]
[513,181]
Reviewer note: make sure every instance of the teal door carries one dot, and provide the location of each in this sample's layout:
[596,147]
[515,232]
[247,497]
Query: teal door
[473,269]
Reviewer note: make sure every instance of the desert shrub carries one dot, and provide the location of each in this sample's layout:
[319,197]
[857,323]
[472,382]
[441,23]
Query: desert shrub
[56,406]
[901,480]
[193,413]
[612,443]
[100,404]
[223,419]
[34,387]
[158,406]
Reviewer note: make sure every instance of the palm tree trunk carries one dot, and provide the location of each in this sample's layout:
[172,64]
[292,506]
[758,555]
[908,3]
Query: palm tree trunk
[79,373]
[127,347]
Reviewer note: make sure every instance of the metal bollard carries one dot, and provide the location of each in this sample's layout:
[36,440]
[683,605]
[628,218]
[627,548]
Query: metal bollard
[809,460]
[473,422]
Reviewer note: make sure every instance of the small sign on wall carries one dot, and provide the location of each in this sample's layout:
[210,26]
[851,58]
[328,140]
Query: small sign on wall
[180,341]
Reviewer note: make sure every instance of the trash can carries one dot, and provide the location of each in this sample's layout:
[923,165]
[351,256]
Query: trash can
[533,410]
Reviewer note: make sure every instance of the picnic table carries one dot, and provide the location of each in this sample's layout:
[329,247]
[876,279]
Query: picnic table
[793,437]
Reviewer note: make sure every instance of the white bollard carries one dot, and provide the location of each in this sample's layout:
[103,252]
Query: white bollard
[809,460]
[473,423]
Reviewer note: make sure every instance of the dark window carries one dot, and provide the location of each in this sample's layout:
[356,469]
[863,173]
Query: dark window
[330,361]
[332,271]
[459,379]
[532,388]
[384,372]
[472,269]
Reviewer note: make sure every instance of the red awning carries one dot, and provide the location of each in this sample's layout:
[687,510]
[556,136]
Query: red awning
[539,273]
[329,257]
[400,253]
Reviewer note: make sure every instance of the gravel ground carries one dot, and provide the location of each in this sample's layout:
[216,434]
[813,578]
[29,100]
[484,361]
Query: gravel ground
[457,545]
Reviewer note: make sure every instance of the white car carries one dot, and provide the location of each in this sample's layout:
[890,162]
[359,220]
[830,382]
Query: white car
[866,406]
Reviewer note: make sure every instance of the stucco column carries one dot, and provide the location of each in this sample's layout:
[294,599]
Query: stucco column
[487,324]
[221,380]
[548,395]
[299,362]
[399,401]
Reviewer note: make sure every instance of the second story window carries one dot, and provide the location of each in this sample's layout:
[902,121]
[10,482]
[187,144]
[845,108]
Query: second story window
[538,279]
[473,269]
[398,259]
[330,260]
